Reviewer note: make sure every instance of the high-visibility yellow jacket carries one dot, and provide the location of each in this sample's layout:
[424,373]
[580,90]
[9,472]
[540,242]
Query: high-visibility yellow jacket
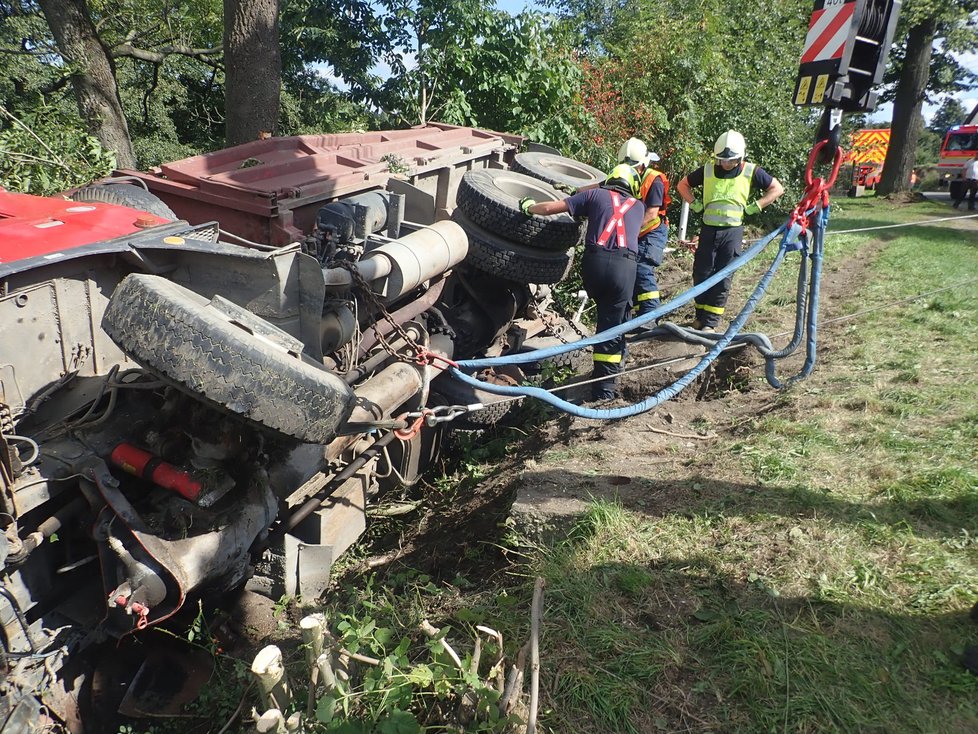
[725,199]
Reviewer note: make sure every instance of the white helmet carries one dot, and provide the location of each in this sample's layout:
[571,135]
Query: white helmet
[730,146]
[633,152]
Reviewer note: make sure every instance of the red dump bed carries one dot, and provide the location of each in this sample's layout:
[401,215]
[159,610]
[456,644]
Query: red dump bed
[270,190]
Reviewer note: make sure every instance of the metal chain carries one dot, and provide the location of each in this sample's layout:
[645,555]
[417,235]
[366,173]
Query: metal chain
[374,301]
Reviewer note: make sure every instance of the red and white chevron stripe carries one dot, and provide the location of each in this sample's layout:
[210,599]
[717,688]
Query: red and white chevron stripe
[828,32]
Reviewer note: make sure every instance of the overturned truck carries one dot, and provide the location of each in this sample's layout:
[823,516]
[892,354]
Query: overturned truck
[208,370]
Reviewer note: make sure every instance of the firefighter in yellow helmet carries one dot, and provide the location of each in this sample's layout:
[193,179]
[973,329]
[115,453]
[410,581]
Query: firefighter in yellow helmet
[614,217]
[728,183]
[654,194]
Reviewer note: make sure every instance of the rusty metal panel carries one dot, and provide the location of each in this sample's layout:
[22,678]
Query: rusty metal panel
[270,190]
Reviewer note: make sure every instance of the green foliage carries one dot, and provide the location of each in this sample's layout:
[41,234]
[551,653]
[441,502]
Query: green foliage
[45,151]
[710,65]
[519,79]
[415,684]
[950,113]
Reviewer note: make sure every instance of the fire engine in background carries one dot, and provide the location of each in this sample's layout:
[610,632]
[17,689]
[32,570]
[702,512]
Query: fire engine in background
[867,151]
[959,147]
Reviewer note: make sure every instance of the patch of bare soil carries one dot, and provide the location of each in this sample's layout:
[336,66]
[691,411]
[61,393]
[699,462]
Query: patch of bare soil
[647,462]
[653,464]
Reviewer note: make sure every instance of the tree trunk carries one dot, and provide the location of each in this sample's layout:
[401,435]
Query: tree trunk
[907,107]
[252,69]
[93,76]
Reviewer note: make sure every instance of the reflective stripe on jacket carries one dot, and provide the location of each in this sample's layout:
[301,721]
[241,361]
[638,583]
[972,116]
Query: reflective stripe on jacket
[724,199]
[616,223]
[648,179]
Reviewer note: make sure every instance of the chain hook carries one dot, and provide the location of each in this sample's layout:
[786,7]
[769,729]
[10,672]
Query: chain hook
[142,622]
[426,357]
[413,428]
[816,188]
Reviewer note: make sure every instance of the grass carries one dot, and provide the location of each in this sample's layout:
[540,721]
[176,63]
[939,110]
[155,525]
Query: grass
[808,571]
[823,586]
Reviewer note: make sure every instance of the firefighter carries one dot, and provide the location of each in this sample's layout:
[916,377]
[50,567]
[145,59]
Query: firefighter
[614,216]
[727,186]
[970,187]
[654,193]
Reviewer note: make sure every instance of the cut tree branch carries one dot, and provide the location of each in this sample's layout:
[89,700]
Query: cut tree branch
[125,50]
[536,616]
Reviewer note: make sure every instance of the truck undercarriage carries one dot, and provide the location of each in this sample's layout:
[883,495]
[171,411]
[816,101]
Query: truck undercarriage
[184,410]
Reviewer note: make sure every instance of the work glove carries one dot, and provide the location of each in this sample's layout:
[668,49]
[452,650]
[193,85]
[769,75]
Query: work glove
[696,206]
[753,208]
[565,188]
[525,203]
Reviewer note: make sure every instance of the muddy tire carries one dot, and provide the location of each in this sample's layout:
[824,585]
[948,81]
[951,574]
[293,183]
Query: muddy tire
[456,392]
[556,169]
[508,260]
[491,197]
[182,336]
[134,197]
[579,360]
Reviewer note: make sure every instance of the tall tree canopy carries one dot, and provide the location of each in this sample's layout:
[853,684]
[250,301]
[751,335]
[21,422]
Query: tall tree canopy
[951,112]
[678,73]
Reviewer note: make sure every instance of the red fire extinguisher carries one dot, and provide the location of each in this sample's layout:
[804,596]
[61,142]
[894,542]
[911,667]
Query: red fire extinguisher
[143,464]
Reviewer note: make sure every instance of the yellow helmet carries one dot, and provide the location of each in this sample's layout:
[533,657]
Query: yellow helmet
[623,179]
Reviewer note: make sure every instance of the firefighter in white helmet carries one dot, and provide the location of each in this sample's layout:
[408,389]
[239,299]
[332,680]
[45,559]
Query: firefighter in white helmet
[614,217]
[728,183]
[634,152]
[654,193]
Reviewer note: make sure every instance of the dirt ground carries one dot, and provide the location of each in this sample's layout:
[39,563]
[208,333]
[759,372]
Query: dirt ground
[643,461]
[650,463]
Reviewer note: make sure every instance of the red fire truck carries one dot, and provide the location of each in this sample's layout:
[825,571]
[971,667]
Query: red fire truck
[867,151]
[959,147]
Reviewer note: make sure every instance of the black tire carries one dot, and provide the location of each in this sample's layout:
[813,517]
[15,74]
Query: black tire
[135,197]
[578,361]
[491,198]
[556,169]
[456,392]
[179,335]
[511,261]
[956,189]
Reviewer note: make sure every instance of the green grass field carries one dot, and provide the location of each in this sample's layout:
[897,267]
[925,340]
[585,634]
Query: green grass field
[824,584]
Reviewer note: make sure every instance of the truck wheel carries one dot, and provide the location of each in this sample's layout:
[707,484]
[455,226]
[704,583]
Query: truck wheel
[185,338]
[555,169]
[510,261]
[578,360]
[956,189]
[135,197]
[491,197]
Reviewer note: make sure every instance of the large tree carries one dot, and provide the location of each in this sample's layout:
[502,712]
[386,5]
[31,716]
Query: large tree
[923,67]
[128,65]
[252,69]
[92,73]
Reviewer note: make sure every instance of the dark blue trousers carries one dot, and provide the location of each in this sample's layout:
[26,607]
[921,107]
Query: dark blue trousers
[717,248]
[651,248]
[609,278]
